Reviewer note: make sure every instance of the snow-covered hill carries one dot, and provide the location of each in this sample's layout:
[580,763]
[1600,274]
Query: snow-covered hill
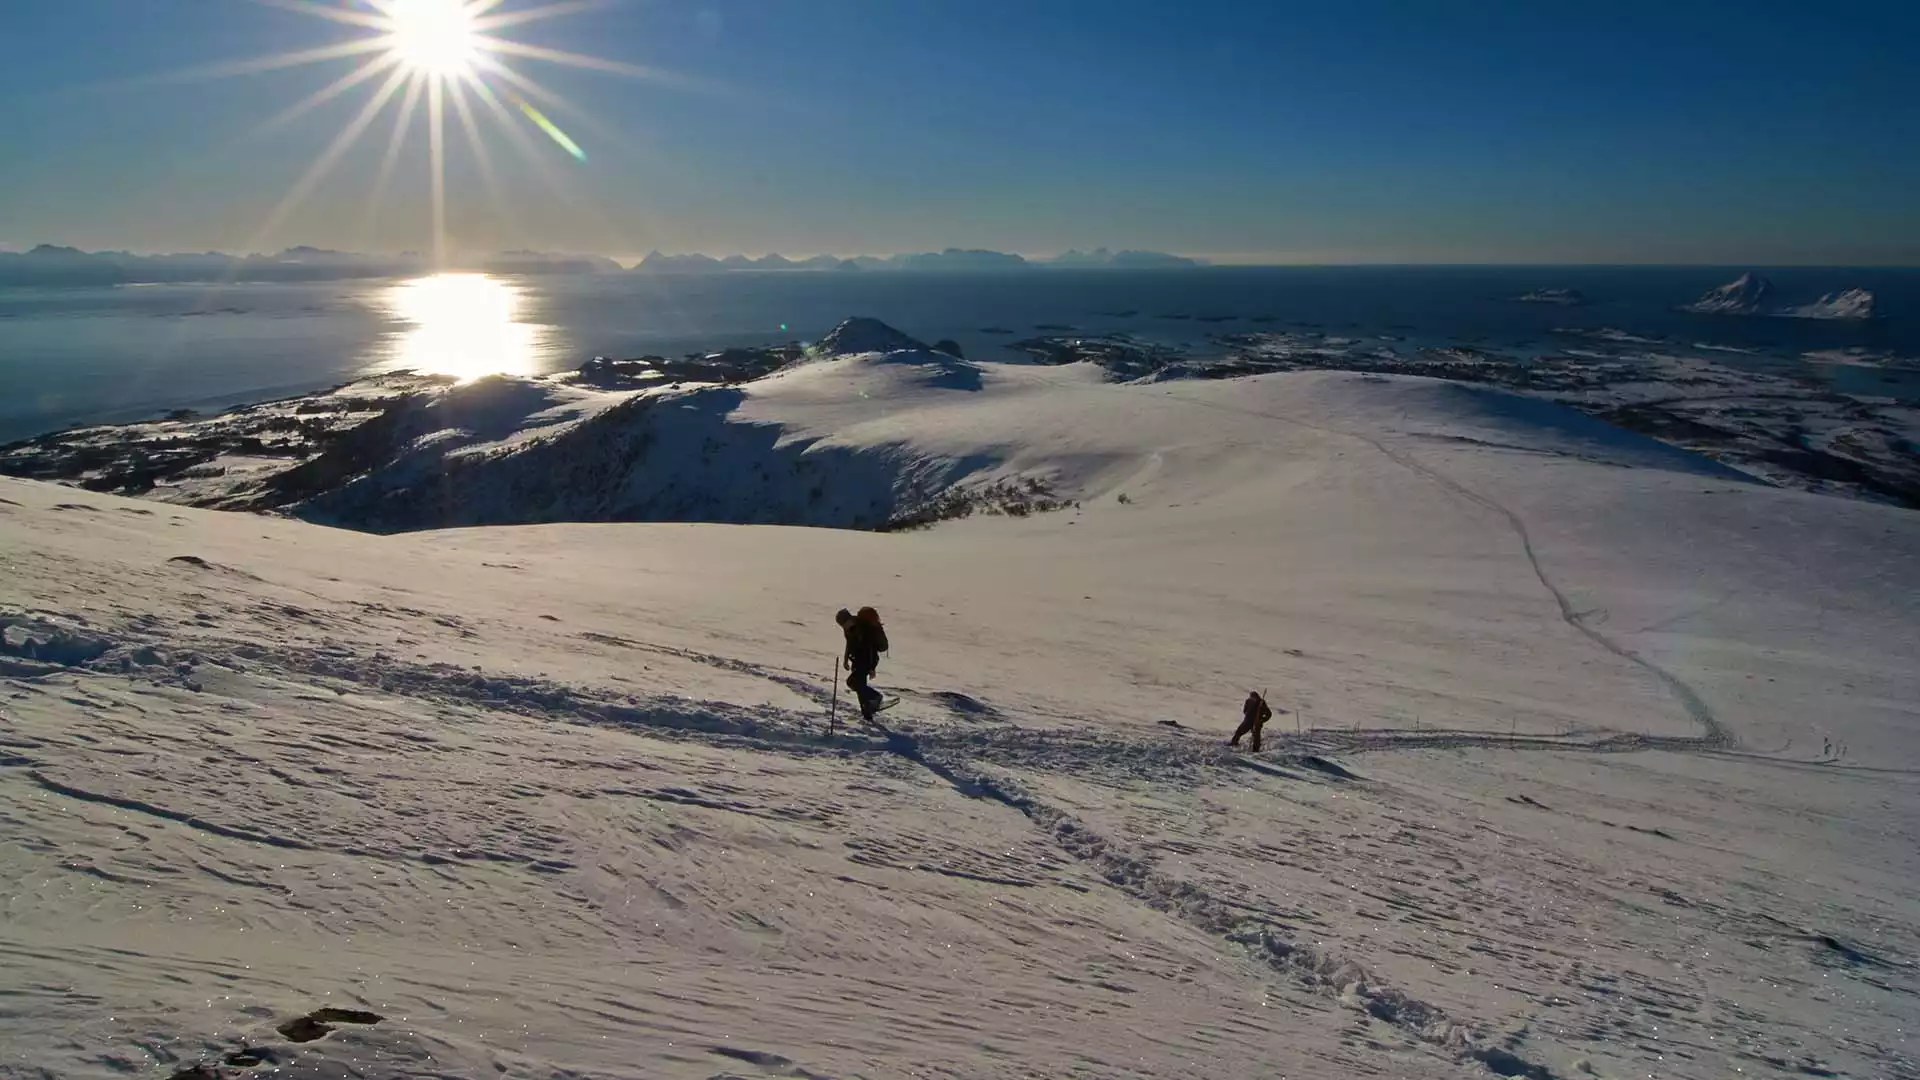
[1750,294]
[1847,304]
[1747,294]
[1597,760]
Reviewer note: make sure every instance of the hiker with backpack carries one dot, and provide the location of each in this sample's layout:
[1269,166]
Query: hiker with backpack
[866,640]
[1254,716]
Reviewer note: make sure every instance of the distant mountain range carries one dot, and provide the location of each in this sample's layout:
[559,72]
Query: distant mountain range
[952,260]
[51,264]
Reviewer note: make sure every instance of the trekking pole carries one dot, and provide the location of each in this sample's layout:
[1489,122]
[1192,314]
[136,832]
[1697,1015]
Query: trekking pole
[833,705]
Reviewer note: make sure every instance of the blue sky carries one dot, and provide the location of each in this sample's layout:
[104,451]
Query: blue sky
[1410,132]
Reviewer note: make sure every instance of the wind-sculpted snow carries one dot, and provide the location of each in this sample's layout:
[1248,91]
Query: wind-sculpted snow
[960,755]
[1595,760]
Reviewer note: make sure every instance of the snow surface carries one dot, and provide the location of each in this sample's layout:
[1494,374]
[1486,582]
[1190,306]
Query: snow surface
[1604,763]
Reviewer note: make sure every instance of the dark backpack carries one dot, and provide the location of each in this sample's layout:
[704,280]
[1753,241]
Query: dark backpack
[869,622]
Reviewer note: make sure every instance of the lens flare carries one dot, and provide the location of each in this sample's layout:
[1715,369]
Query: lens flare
[553,130]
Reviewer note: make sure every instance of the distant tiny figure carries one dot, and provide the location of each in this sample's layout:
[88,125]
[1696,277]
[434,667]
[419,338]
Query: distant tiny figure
[1255,715]
[866,640]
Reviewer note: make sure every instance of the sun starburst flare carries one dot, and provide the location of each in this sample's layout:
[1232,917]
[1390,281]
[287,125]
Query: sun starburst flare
[423,55]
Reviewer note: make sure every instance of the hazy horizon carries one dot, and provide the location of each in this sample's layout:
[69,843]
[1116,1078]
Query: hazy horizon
[460,261]
[1391,134]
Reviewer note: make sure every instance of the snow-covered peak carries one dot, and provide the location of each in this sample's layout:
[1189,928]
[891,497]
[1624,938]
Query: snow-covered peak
[1847,304]
[1744,295]
[863,335]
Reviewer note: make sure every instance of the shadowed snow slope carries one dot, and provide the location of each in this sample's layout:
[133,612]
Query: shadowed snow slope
[1605,763]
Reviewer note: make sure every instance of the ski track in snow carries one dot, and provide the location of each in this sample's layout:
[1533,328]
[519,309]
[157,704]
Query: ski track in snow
[566,842]
[1716,734]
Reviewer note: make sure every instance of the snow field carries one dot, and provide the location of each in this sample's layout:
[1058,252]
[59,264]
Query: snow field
[1609,769]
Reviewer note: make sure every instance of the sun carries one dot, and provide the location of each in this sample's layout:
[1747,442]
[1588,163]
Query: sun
[434,37]
[457,62]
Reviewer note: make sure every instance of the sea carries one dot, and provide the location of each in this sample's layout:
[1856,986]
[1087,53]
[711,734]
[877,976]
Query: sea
[122,353]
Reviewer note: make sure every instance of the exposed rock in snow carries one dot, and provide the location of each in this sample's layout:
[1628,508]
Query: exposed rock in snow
[1747,294]
[1848,304]
[1123,357]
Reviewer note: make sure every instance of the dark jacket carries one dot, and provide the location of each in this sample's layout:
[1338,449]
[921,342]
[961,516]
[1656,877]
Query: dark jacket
[1255,711]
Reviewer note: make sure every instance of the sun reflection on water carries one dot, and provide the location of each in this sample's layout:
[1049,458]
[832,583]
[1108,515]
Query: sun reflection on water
[463,325]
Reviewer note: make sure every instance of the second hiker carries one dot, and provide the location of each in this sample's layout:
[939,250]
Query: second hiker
[1254,716]
[866,640]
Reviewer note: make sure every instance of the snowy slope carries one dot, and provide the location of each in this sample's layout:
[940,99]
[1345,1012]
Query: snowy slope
[1847,304]
[1605,763]
[1747,294]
